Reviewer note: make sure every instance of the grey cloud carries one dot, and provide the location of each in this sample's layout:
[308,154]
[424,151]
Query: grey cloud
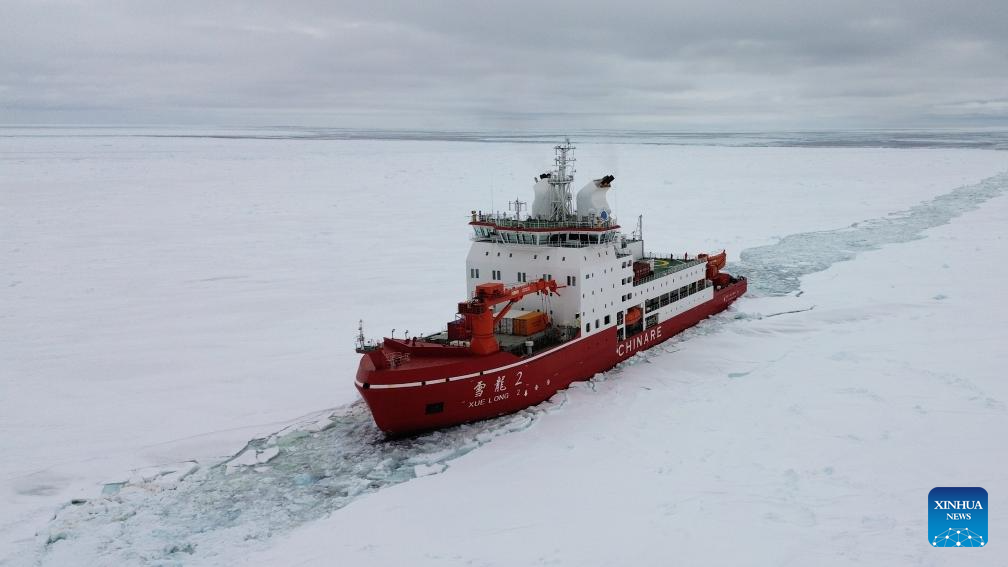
[716,64]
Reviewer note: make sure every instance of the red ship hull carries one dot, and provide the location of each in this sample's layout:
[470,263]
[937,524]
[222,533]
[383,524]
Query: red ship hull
[442,386]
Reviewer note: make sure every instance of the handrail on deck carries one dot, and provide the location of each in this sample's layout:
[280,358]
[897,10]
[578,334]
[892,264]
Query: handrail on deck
[572,223]
[669,270]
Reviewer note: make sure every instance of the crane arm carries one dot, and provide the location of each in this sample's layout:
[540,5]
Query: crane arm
[490,294]
[516,293]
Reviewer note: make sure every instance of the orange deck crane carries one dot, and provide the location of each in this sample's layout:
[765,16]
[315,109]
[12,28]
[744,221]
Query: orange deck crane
[478,316]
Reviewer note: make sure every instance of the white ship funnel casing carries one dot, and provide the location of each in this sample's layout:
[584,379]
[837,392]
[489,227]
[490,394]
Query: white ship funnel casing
[542,204]
[591,199]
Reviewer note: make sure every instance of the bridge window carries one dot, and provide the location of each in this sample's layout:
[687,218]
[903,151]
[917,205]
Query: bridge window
[607,319]
[588,328]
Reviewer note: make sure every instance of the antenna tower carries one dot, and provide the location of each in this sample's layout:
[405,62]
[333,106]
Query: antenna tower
[517,206]
[560,183]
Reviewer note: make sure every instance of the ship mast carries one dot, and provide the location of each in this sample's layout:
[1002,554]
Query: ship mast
[517,205]
[560,183]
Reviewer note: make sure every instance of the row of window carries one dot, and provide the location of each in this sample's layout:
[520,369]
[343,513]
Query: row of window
[474,273]
[673,296]
[536,238]
[562,258]
[654,304]
[534,256]
[588,327]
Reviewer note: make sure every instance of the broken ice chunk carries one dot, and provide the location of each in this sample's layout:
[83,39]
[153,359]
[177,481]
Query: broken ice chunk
[251,456]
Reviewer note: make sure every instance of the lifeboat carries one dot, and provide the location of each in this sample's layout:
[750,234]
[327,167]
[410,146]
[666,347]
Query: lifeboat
[718,260]
[714,264]
[633,316]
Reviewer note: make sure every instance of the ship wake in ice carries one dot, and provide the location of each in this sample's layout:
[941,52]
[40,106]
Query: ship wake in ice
[776,269]
[187,512]
[295,475]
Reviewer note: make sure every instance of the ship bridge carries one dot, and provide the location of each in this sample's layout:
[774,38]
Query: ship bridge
[572,232]
[554,220]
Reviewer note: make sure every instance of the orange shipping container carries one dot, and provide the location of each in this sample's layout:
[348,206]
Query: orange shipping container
[529,324]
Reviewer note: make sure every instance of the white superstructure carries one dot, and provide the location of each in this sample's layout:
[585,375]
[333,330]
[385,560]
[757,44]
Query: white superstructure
[584,250]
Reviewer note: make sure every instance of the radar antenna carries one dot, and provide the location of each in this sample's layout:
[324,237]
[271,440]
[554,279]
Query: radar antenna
[517,206]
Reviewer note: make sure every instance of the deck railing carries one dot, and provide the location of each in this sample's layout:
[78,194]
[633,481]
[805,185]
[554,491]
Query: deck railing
[575,223]
[668,270]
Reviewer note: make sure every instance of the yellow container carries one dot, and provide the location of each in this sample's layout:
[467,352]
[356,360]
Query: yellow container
[529,324]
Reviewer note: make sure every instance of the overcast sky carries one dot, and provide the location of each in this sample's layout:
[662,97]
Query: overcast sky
[702,64]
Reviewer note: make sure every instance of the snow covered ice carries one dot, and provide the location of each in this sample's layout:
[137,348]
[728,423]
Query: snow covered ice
[166,299]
